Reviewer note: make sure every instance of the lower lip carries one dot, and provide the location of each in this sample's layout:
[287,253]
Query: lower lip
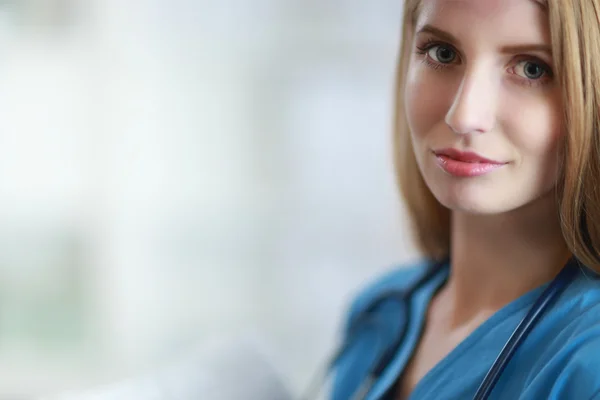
[465,169]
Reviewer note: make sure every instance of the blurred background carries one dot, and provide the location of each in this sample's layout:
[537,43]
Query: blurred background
[174,170]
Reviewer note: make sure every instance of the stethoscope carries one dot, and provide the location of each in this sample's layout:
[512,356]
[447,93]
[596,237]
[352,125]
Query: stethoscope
[548,296]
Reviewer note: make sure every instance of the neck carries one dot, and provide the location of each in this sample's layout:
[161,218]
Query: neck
[496,259]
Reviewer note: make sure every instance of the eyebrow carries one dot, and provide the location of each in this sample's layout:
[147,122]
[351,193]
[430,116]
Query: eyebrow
[545,48]
[439,33]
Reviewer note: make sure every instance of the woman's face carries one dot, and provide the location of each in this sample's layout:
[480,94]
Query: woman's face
[482,104]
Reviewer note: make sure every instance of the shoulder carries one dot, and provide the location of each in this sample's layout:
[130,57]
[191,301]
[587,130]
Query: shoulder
[569,364]
[574,370]
[358,354]
[397,278]
[580,353]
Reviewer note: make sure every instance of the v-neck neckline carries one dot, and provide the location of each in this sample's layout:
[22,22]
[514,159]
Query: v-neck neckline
[460,350]
[419,306]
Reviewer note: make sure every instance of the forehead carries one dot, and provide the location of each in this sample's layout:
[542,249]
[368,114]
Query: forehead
[485,7]
[480,7]
[508,18]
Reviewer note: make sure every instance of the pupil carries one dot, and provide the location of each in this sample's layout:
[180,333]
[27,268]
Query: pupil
[533,71]
[444,54]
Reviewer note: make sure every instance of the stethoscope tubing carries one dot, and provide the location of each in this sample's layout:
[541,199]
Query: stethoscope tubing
[540,306]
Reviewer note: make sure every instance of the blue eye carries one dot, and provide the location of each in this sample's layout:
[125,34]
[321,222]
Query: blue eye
[441,54]
[531,70]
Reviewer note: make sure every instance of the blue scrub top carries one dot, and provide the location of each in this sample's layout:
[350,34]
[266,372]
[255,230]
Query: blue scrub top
[560,359]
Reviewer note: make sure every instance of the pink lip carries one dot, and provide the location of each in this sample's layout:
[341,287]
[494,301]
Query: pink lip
[465,164]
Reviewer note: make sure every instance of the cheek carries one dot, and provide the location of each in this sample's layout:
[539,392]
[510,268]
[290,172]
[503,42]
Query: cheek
[424,99]
[536,128]
[536,133]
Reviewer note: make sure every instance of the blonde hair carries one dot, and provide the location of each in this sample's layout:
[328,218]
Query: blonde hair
[575,34]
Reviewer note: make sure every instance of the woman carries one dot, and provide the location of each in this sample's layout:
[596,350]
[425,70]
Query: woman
[498,159]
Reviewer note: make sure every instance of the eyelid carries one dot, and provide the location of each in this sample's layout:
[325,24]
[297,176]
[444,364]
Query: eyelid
[535,59]
[430,43]
[545,78]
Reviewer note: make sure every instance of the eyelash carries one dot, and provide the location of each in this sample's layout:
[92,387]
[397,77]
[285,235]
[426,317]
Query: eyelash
[424,48]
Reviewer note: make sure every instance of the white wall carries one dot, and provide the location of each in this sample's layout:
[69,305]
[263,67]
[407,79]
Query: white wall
[175,170]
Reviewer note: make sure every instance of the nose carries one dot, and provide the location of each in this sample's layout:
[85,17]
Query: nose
[473,109]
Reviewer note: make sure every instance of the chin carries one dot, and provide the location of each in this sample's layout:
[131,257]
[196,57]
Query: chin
[473,207]
[468,205]
[475,197]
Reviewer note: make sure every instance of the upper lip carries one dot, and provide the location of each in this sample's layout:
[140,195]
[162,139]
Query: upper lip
[466,156]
